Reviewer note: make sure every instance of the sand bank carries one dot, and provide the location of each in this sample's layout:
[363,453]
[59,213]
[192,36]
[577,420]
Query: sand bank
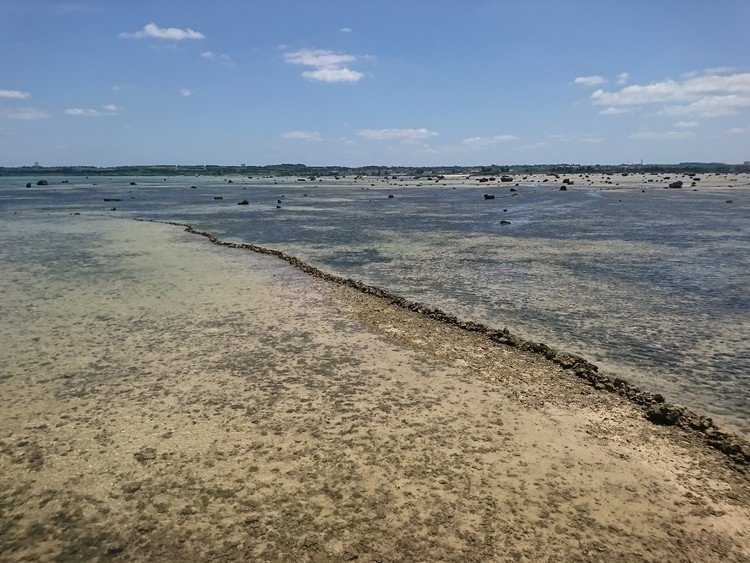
[166,398]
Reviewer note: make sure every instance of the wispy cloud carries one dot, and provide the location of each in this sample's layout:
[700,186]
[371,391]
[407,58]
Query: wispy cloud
[623,77]
[25,114]
[108,110]
[14,95]
[590,80]
[226,60]
[661,136]
[302,135]
[534,146]
[389,134]
[346,30]
[706,95]
[611,110]
[151,30]
[326,66]
[687,124]
[738,130]
[186,92]
[488,141]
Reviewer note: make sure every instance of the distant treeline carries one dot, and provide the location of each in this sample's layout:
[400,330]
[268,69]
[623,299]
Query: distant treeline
[341,171]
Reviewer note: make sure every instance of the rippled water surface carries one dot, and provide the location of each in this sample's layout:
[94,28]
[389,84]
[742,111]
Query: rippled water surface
[652,286]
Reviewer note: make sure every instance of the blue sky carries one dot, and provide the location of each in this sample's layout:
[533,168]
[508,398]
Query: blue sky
[110,82]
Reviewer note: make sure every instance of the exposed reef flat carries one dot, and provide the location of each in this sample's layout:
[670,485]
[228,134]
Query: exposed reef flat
[166,398]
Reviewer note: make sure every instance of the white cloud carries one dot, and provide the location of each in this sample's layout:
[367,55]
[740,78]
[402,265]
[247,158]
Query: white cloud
[388,134]
[327,66]
[738,130]
[302,135]
[687,124]
[109,110]
[152,30]
[657,136]
[623,77]
[706,95]
[14,95]
[590,80]
[488,141]
[334,75]
[611,110]
[26,114]
[210,55]
[226,60]
[186,92]
[346,30]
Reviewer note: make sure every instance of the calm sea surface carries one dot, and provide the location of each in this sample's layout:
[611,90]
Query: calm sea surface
[654,286]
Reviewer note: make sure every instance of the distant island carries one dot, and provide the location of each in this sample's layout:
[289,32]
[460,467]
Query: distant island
[273,170]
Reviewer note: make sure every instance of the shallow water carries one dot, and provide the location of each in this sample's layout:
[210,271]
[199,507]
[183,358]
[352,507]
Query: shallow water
[651,286]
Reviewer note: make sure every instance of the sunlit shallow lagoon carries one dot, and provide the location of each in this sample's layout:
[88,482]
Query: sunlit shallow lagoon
[651,286]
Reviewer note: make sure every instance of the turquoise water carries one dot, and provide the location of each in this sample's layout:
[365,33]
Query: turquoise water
[651,286]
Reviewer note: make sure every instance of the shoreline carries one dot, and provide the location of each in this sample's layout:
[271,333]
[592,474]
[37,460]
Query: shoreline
[654,405]
[169,399]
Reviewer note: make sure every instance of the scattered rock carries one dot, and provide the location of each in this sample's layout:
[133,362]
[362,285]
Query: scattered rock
[506,178]
[193,187]
[146,454]
[133,183]
[504,222]
[218,197]
[111,199]
[130,488]
[28,184]
[730,201]
[676,184]
[243,202]
[113,209]
[390,196]
[664,414]
[42,183]
[489,196]
[563,188]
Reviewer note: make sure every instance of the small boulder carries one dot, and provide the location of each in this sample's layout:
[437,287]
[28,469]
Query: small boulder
[506,178]
[132,183]
[391,196]
[243,202]
[676,184]
[504,222]
[563,188]
[28,184]
[489,196]
[42,183]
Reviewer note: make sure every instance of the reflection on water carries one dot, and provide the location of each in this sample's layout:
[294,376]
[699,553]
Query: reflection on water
[652,286]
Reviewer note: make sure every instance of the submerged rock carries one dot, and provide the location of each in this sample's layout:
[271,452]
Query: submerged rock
[243,202]
[42,183]
[489,196]
[28,184]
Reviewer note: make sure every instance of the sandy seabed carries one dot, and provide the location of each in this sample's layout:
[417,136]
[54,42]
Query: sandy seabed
[163,398]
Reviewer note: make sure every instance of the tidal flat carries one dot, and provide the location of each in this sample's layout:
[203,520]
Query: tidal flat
[165,398]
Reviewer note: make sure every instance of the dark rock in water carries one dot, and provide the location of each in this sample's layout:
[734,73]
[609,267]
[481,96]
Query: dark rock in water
[513,190]
[504,222]
[146,454]
[278,201]
[677,184]
[390,196]
[113,209]
[28,184]
[244,202]
[506,178]
[230,182]
[64,182]
[218,197]
[730,201]
[505,210]
[643,191]
[133,184]
[111,199]
[278,207]
[483,180]
[42,183]
[489,196]
[563,188]
[193,187]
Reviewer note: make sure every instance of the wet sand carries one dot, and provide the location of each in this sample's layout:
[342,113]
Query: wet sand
[167,398]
